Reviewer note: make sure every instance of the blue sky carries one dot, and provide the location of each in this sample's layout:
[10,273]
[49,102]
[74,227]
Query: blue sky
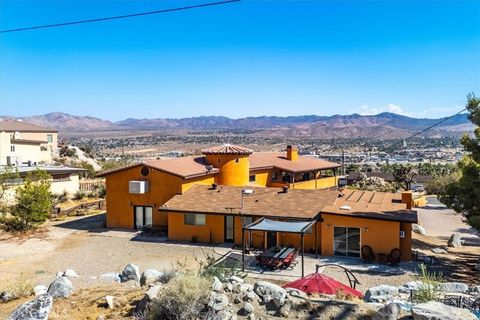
[251,58]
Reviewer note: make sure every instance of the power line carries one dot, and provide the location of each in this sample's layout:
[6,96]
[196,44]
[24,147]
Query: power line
[62,24]
[428,128]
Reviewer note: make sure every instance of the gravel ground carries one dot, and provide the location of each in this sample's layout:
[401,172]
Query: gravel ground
[82,244]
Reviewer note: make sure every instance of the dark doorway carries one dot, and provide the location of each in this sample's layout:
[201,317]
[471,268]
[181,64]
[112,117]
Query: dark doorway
[271,239]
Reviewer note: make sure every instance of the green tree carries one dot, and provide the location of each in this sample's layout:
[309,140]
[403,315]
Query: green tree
[464,195]
[33,201]
[403,175]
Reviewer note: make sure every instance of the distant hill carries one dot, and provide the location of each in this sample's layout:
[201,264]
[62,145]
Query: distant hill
[386,125]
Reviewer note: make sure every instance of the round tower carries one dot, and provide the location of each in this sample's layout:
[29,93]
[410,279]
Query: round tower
[232,162]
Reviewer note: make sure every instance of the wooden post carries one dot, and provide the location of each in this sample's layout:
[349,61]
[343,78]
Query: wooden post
[243,249]
[316,240]
[303,254]
[293,179]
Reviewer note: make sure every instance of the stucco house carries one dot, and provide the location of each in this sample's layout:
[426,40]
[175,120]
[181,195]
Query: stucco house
[22,142]
[209,198]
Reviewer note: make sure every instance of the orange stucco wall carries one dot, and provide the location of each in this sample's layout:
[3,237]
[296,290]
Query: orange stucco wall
[234,169]
[162,187]
[382,236]
[406,243]
[211,232]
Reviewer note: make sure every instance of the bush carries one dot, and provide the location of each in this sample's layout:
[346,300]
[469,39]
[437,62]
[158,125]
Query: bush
[33,203]
[183,298]
[429,290]
[222,270]
[79,195]
[61,197]
[20,289]
[101,191]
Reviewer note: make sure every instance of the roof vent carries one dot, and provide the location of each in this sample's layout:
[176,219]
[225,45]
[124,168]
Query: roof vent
[345,207]
[214,186]
[285,189]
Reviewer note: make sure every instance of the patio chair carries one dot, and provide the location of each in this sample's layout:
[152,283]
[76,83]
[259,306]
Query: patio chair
[367,254]
[290,259]
[394,257]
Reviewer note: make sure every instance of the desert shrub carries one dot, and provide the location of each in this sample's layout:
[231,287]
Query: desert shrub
[20,289]
[223,270]
[429,290]
[183,298]
[342,295]
[61,197]
[79,195]
[33,203]
[101,191]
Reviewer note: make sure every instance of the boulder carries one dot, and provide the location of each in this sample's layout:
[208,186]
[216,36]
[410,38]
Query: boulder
[37,309]
[296,293]
[251,316]
[150,276]
[250,296]
[285,309]
[218,301]
[439,251]
[235,279]
[457,287]
[474,290]
[381,293]
[70,273]
[247,308]
[5,296]
[433,310]
[270,292]
[217,285]
[40,289]
[228,287]
[61,287]
[455,240]
[130,272]
[223,315]
[411,285]
[390,312]
[111,277]
[419,229]
[109,302]
[152,293]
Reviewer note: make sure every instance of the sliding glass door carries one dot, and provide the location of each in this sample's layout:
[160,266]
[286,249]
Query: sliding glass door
[143,216]
[346,242]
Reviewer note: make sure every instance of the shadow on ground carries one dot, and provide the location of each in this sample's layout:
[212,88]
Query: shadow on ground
[94,223]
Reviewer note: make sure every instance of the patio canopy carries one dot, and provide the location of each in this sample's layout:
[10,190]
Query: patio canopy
[280,226]
[267,225]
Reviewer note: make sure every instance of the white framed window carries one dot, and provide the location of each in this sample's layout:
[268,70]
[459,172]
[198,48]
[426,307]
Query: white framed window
[49,138]
[12,148]
[194,219]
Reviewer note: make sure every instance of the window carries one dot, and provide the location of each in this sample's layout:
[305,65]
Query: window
[274,176]
[12,148]
[49,138]
[143,216]
[252,178]
[346,242]
[194,219]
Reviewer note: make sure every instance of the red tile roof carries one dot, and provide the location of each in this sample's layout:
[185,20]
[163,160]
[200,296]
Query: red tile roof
[227,149]
[185,167]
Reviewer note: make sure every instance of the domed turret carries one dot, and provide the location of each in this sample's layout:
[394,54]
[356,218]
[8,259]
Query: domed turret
[233,163]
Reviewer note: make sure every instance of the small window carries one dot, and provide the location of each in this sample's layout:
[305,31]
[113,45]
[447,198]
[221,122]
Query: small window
[12,148]
[145,171]
[252,178]
[274,176]
[49,138]
[195,219]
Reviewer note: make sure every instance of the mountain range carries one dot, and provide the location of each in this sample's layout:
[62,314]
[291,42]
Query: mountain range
[385,124]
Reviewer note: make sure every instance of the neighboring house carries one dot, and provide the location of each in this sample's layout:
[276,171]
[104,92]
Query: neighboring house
[418,180]
[209,198]
[62,179]
[23,143]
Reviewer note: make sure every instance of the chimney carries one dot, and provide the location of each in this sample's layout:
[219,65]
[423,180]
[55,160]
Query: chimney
[407,197]
[292,153]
